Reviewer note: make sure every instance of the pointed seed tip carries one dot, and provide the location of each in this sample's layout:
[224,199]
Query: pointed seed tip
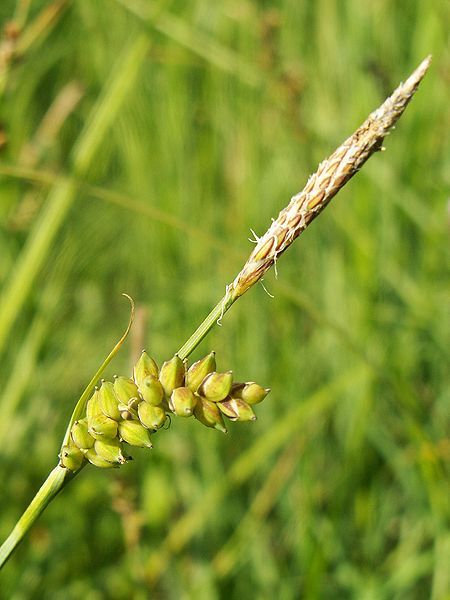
[422,68]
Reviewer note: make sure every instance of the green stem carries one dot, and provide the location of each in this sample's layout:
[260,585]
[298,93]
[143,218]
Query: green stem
[205,326]
[54,483]
[60,476]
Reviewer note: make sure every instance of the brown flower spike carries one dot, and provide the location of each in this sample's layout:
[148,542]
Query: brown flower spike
[332,174]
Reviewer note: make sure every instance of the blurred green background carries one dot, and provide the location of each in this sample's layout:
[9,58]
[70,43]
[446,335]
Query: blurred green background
[140,142]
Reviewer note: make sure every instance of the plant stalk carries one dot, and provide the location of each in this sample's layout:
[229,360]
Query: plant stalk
[60,476]
[205,326]
[54,483]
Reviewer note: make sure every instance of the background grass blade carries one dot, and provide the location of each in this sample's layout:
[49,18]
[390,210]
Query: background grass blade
[62,194]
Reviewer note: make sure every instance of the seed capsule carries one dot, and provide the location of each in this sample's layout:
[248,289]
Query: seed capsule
[237,410]
[110,450]
[93,406]
[144,366]
[216,386]
[98,461]
[151,390]
[152,417]
[135,434]
[182,401]
[102,427]
[125,389]
[171,375]
[199,370]
[207,412]
[80,435]
[108,401]
[71,458]
[250,392]
[227,409]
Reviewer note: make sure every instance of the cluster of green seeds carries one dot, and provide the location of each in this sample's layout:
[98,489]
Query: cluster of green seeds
[130,410]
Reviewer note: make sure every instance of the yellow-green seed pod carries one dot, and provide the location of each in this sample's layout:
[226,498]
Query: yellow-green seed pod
[227,409]
[125,389]
[98,461]
[71,458]
[108,401]
[80,435]
[182,401]
[151,390]
[93,406]
[237,410]
[216,386]
[250,392]
[110,450]
[135,434]
[144,366]
[171,375]
[207,412]
[102,427]
[199,370]
[152,417]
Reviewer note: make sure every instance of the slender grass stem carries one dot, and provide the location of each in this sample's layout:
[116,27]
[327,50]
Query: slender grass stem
[60,476]
[54,483]
[205,326]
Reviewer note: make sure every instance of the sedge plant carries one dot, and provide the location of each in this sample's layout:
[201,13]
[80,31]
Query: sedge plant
[110,417]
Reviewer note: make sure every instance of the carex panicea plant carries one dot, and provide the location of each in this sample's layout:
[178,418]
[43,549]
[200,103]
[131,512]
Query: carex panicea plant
[110,418]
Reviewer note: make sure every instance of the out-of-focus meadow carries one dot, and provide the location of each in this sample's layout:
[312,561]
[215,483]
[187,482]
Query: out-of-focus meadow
[140,143]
